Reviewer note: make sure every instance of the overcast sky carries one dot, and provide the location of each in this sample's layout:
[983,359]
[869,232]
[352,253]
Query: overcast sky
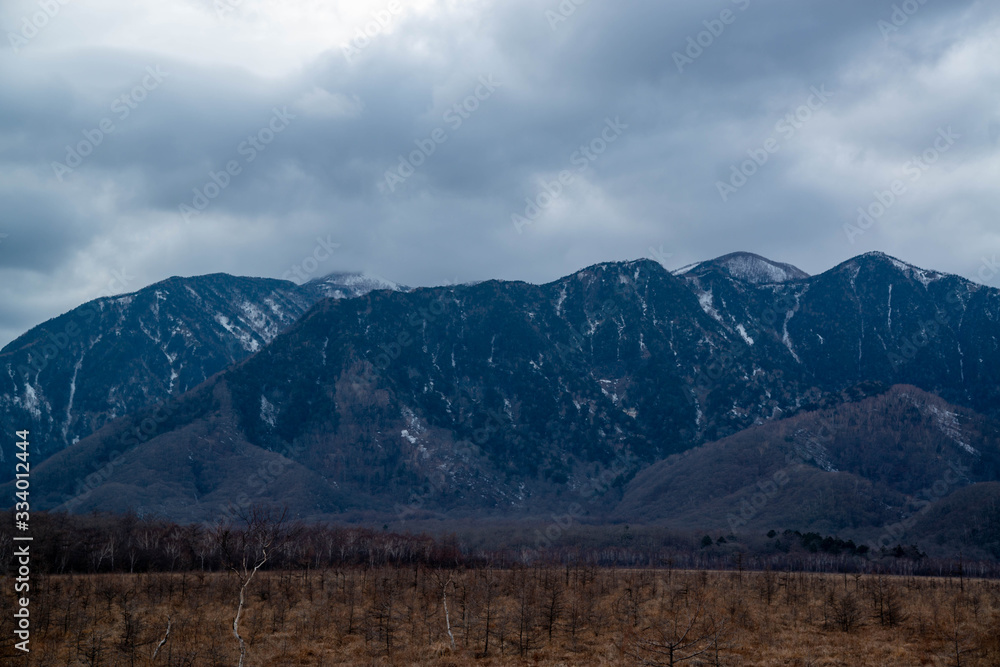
[114,113]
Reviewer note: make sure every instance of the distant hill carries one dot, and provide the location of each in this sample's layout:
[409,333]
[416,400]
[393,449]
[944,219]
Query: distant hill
[855,470]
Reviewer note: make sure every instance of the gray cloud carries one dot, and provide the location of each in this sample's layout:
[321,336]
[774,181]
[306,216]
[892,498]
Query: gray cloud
[348,121]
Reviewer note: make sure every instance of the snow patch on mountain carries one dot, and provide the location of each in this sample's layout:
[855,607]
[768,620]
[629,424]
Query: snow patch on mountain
[758,270]
[350,285]
[560,301]
[705,301]
[30,401]
[810,448]
[687,268]
[947,423]
[248,342]
[268,411]
[915,273]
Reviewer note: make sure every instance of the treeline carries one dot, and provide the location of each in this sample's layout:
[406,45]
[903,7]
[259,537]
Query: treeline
[106,543]
[112,543]
[815,543]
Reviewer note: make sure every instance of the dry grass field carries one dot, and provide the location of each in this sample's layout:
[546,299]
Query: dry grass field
[524,616]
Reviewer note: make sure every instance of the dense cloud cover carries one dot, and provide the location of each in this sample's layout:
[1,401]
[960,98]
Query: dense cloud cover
[453,140]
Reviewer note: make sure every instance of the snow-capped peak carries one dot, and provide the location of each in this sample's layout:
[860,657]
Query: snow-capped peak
[749,268]
[349,285]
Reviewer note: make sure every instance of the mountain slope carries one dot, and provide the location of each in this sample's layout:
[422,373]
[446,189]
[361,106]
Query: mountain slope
[65,378]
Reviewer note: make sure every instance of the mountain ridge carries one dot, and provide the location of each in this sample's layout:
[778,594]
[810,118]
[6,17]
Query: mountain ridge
[501,395]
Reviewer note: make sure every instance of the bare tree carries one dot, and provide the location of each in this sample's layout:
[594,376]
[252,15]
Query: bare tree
[688,633]
[489,593]
[450,581]
[554,606]
[887,604]
[959,644]
[163,641]
[845,611]
[101,552]
[245,550]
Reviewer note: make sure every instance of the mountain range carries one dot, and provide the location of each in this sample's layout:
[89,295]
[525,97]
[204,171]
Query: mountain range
[679,398]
